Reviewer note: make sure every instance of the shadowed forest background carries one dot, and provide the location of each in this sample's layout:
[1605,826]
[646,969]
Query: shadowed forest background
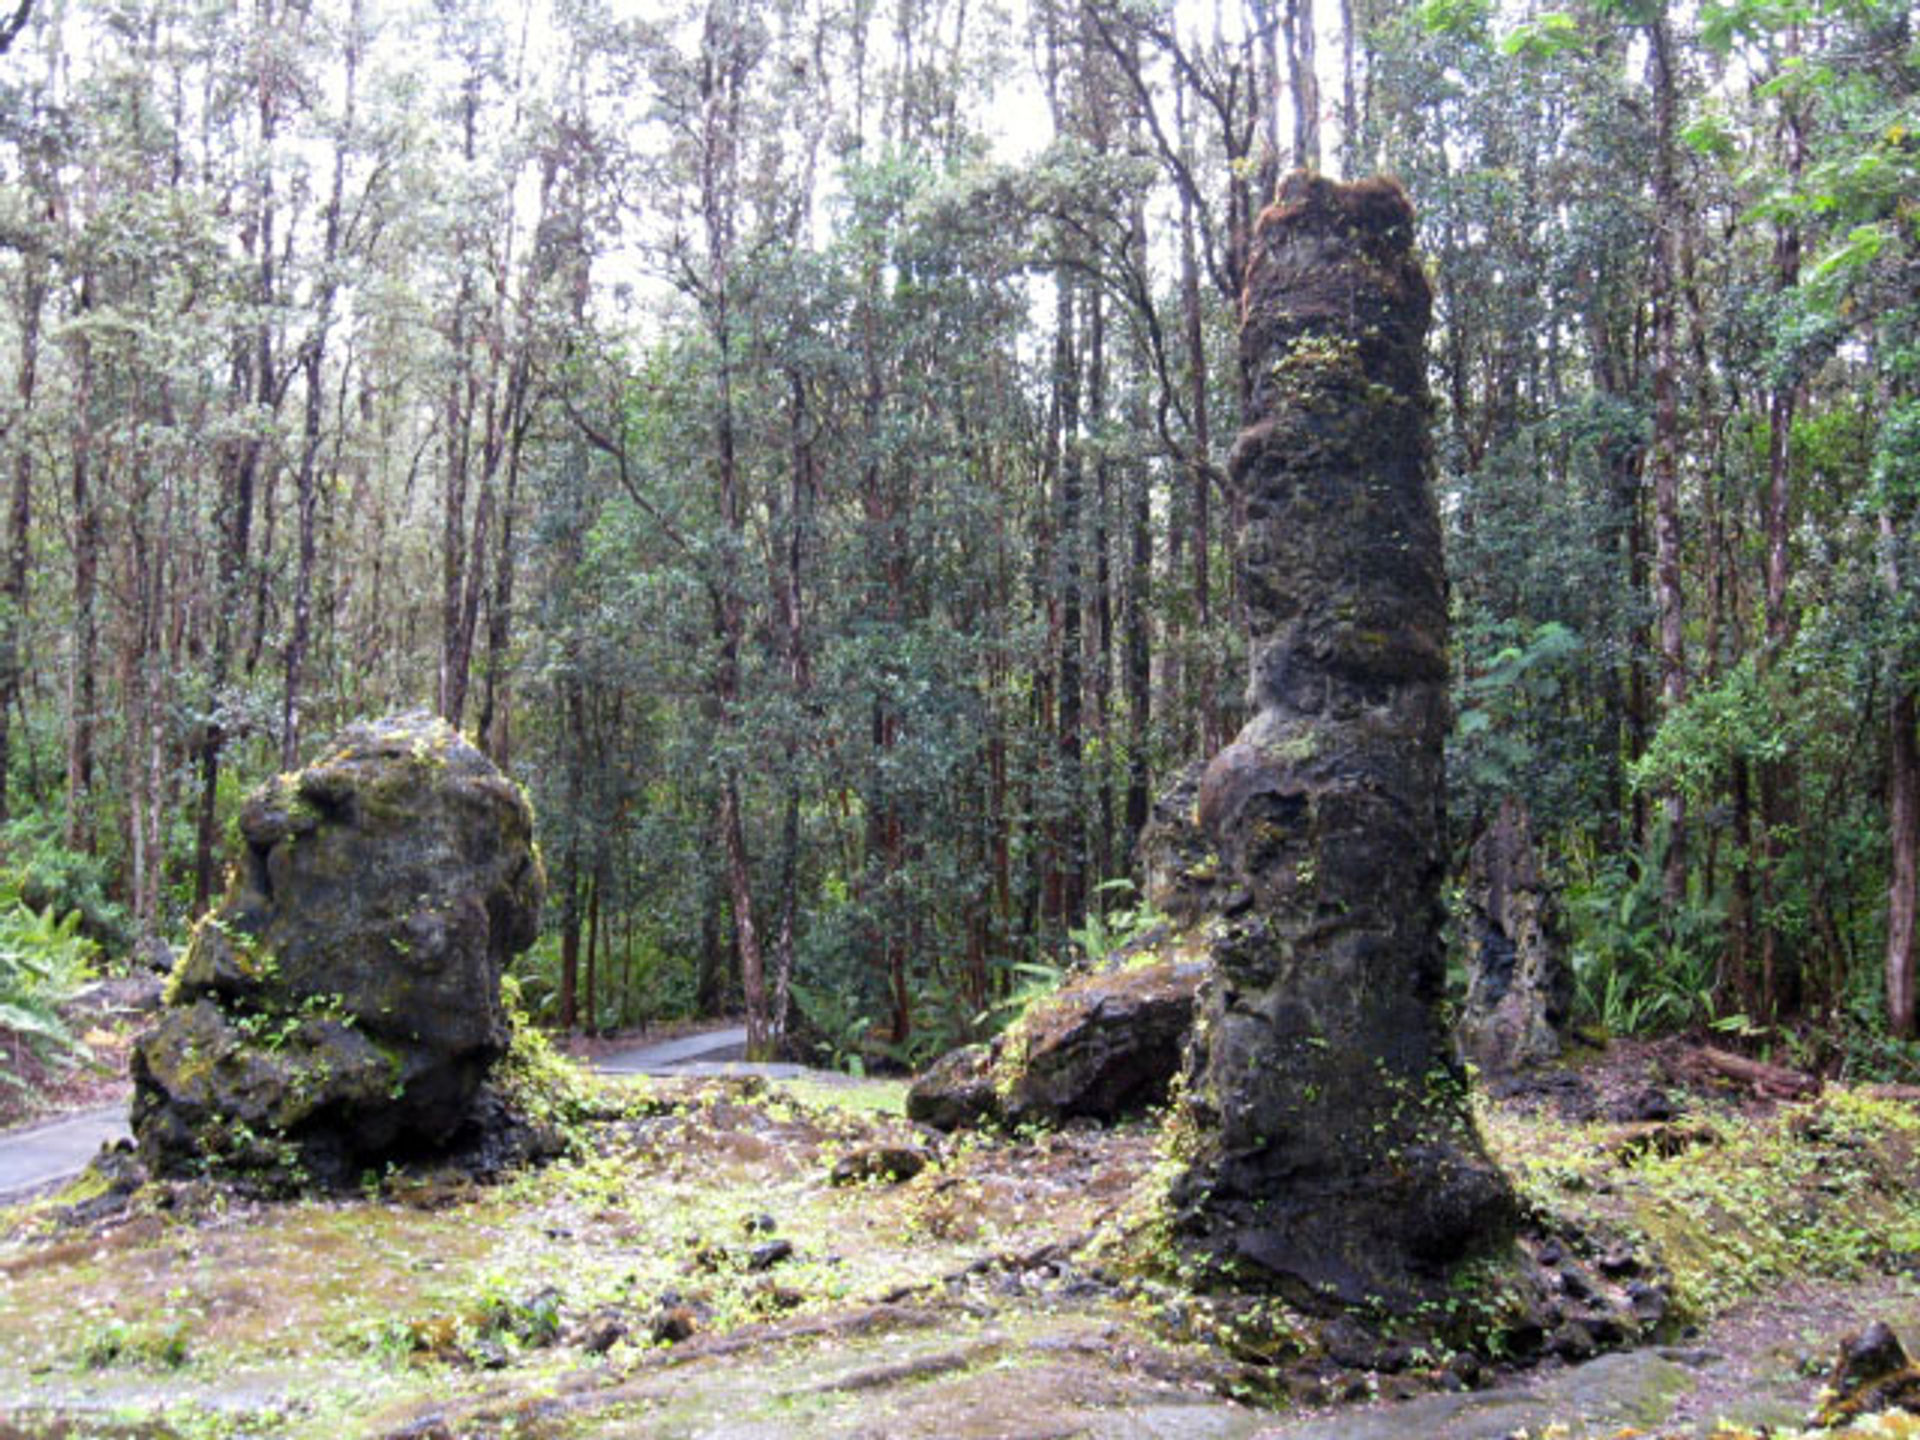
[791,437]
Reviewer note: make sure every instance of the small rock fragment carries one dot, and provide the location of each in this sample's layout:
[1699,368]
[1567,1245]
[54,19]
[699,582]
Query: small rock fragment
[672,1326]
[956,1092]
[603,1330]
[1871,1373]
[893,1164]
[766,1256]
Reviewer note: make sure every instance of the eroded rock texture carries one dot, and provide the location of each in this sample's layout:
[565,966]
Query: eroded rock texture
[1104,1045]
[1519,982]
[1331,1151]
[343,1002]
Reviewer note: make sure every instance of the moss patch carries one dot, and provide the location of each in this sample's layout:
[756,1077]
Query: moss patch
[1735,1203]
[962,1298]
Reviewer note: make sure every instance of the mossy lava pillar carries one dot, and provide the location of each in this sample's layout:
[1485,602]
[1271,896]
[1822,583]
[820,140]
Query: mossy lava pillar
[1331,1154]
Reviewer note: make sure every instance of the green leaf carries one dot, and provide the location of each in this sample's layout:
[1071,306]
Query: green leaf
[1859,250]
[1543,38]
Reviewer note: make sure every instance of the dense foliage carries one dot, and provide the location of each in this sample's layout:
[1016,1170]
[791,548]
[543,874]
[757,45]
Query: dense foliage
[791,437]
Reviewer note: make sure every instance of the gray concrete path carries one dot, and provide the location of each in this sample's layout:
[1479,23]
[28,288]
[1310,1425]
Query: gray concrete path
[42,1156]
[707,1047]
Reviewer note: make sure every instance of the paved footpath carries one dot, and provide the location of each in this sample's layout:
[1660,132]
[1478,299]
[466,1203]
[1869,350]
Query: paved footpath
[38,1158]
[33,1159]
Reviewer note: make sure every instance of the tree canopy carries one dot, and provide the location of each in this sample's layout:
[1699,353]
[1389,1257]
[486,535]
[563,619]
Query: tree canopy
[792,438]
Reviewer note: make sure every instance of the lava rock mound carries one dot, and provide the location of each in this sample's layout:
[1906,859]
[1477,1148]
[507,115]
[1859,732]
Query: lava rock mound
[342,1004]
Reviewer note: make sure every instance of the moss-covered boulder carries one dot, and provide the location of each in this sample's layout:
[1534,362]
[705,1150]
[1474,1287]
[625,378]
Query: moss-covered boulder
[342,1004]
[1105,1044]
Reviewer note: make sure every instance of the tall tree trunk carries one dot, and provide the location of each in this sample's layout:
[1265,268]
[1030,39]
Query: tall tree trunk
[312,367]
[1664,458]
[1101,648]
[753,981]
[1139,646]
[1903,874]
[590,1010]
[82,698]
[1903,814]
[458,407]
[13,581]
[1304,72]
[1069,827]
[791,587]
[1351,144]
[253,385]
[1780,972]
[1205,681]
[574,701]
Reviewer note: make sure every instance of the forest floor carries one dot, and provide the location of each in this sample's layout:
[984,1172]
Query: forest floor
[693,1269]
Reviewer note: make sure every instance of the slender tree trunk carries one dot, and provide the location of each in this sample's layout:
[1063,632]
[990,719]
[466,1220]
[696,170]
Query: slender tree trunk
[1205,683]
[496,697]
[1067,583]
[82,699]
[1780,971]
[1664,457]
[574,699]
[459,405]
[1351,144]
[1903,875]
[710,986]
[1139,649]
[312,365]
[1101,649]
[1903,816]
[591,1008]
[753,985]
[254,385]
[13,581]
[792,591]
[1303,67]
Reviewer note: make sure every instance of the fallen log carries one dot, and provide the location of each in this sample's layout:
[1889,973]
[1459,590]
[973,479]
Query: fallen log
[1771,1082]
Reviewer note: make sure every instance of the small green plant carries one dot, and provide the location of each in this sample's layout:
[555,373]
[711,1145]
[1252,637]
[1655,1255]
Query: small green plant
[535,1078]
[842,1025]
[43,960]
[1118,926]
[1641,965]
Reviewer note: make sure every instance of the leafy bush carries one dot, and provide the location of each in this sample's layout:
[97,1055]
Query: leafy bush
[643,984]
[43,874]
[1106,934]
[534,1078]
[1640,965]
[43,960]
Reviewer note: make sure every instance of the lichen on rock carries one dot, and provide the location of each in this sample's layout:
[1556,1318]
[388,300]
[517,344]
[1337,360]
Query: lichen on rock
[342,1004]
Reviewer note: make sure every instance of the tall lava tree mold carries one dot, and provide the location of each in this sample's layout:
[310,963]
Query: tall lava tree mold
[1329,1150]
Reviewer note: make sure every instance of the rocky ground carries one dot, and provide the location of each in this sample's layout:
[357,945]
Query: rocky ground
[735,1258]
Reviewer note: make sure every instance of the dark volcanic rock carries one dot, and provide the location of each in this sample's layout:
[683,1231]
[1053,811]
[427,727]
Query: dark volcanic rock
[1101,1046]
[891,1164]
[1519,983]
[1105,1044]
[1179,868]
[343,1002]
[1332,1152]
[956,1092]
[1871,1373]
